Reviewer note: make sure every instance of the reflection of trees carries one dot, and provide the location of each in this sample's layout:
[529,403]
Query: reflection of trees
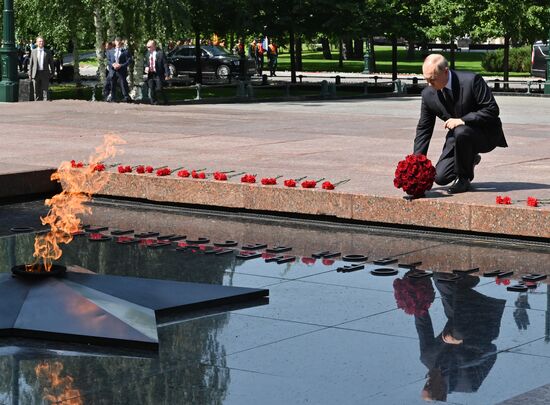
[180,374]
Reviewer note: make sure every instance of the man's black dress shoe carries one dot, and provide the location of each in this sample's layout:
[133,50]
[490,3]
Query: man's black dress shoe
[461,185]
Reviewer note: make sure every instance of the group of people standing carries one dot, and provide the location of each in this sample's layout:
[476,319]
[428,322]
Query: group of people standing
[258,49]
[119,59]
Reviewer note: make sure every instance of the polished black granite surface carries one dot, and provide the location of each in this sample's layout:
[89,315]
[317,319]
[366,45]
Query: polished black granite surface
[325,337]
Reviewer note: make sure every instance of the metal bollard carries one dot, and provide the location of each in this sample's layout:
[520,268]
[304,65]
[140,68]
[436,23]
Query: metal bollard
[529,87]
[332,89]
[198,87]
[250,90]
[264,80]
[300,77]
[375,80]
[415,81]
[497,84]
[338,79]
[241,91]
[324,89]
[366,90]
[397,87]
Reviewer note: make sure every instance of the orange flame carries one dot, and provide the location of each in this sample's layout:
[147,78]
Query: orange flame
[57,389]
[78,187]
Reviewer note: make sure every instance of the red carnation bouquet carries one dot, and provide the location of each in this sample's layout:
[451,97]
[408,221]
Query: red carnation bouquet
[415,175]
[414,295]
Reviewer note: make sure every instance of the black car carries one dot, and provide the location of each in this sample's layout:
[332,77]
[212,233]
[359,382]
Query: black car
[215,60]
[538,59]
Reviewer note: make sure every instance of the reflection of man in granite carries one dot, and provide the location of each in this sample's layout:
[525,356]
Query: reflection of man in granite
[461,356]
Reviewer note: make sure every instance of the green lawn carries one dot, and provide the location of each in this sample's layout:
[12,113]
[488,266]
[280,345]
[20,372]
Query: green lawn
[314,62]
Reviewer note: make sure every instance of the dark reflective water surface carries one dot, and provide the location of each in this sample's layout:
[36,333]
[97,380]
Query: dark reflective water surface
[325,337]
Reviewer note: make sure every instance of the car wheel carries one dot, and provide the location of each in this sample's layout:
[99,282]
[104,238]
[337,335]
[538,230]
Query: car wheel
[222,72]
[173,71]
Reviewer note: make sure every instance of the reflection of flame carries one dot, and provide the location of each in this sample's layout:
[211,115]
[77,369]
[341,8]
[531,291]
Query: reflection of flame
[57,389]
[78,187]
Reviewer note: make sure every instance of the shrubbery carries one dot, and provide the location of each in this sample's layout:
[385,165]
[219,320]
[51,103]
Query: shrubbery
[520,60]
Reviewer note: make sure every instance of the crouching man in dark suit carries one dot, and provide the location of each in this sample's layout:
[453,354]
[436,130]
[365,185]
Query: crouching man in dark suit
[466,105]
[156,68]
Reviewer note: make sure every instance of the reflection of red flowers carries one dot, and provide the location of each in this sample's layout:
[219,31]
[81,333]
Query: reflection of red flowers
[269,181]
[327,262]
[309,184]
[196,175]
[414,296]
[503,200]
[96,236]
[124,169]
[99,167]
[503,281]
[532,202]
[76,164]
[266,255]
[415,175]
[183,173]
[327,185]
[308,260]
[148,169]
[220,176]
[124,239]
[290,183]
[164,172]
[248,178]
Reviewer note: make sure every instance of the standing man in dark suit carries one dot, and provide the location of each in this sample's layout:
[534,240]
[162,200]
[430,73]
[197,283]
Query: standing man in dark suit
[156,68]
[466,105]
[118,60]
[41,69]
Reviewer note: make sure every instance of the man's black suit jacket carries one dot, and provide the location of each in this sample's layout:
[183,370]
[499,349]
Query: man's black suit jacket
[124,59]
[161,64]
[473,103]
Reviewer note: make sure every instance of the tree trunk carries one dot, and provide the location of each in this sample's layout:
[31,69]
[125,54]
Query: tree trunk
[99,42]
[111,29]
[506,60]
[358,49]
[299,65]
[76,60]
[292,55]
[393,57]
[198,57]
[139,67]
[349,48]
[410,49]
[372,54]
[326,48]
[341,54]
[453,54]
[231,42]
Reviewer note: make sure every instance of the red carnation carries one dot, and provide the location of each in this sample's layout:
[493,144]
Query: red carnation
[309,184]
[220,176]
[414,296]
[124,169]
[327,185]
[532,202]
[308,260]
[140,169]
[415,175]
[164,172]
[196,175]
[248,178]
[503,200]
[290,183]
[269,181]
[328,262]
[98,167]
[183,173]
[76,164]
[148,169]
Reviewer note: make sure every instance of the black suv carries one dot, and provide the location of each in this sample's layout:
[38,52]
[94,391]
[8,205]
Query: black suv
[215,60]
[538,59]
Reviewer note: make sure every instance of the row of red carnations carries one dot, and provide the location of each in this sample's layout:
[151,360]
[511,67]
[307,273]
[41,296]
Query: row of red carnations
[531,201]
[218,176]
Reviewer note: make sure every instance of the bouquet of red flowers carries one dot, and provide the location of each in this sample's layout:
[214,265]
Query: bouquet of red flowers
[415,175]
[414,295]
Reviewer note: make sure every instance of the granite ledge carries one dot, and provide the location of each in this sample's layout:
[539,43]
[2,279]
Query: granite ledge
[430,213]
